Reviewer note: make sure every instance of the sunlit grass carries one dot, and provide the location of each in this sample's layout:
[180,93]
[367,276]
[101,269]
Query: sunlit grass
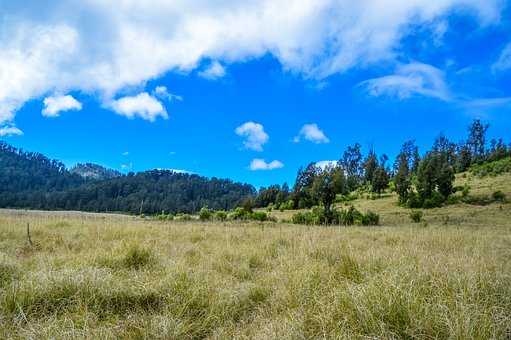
[114,276]
[110,277]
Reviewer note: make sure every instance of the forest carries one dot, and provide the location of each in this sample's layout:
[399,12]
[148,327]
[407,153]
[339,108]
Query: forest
[31,180]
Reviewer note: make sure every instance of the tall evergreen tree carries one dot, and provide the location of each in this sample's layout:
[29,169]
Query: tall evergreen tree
[477,140]
[351,162]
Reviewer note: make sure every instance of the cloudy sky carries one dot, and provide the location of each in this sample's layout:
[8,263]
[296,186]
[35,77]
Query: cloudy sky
[249,89]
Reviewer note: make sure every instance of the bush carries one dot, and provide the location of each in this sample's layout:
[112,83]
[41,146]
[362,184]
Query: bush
[370,218]
[238,214]
[259,216]
[289,205]
[308,218]
[346,217]
[435,201]
[165,217]
[414,201]
[492,168]
[465,191]
[416,216]
[220,215]
[183,217]
[205,214]
[499,196]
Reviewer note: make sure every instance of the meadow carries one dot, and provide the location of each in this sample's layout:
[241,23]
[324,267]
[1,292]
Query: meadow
[114,276]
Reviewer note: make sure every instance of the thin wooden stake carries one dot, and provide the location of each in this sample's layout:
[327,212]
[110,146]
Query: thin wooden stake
[28,234]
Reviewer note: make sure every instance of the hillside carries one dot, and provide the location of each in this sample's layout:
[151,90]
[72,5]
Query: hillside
[33,181]
[453,214]
[94,171]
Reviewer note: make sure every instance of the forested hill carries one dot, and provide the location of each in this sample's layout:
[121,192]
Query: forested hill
[22,172]
[32,181]
[94,171]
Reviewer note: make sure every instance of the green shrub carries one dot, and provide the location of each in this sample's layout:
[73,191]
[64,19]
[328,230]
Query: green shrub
[183,217]
[477,200]
[414,201]
[307,218]
[259,216]
[416,216]
[369,218]
[348,216]
[205,214]
[492,168]
[165,217]
[465,191]
[238,214]
[499,196]
[220,215]
[435,201]
[496,197]
[345,217]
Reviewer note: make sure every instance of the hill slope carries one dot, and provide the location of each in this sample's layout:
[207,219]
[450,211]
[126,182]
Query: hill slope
[31,180]
[94,171]
[455,214]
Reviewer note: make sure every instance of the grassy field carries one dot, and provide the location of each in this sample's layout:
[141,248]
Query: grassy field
[110,276]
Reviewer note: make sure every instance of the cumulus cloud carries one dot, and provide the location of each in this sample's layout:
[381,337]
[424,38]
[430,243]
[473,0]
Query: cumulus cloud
[106,46]
[163,93]
[142,105]
[503,63]
[260,164]
[254,134]
[214,71]
[54,105]
[312,133]
[6,131]
[410,80]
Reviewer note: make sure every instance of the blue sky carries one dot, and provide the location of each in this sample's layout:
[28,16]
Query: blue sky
[248,91]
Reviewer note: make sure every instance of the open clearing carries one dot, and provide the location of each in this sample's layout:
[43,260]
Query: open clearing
[111,276]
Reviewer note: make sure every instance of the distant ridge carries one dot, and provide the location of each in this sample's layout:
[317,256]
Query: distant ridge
[94,171]
[32,181]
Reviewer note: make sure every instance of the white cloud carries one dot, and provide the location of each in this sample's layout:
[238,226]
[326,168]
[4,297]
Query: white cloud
[410,80]
[162,93]
[260,164]
[142,105]
[485,103]
[312,133]
[103,47]
[254,134]
[56,104]
[503,63]
[214,71]
[326,164]
[6,131]
[126,153]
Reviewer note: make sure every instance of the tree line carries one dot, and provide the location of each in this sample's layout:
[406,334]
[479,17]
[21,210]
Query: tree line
[420,180]
[31,180]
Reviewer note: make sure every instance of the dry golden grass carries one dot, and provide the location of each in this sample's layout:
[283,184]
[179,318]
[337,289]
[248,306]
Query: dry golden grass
[101,276]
